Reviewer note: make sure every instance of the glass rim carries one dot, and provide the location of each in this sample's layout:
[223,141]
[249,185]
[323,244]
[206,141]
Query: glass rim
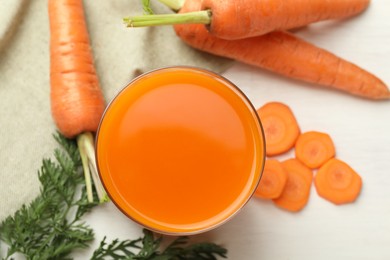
[260,164]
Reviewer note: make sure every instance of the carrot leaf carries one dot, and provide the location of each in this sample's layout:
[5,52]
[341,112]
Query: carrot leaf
[116,249]
[149,247]
[50,226]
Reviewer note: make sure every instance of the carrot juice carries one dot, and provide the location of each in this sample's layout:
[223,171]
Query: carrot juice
[180,150]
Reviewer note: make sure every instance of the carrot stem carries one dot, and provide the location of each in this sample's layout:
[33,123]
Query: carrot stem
[89,145]
[198,17]
[84,160]
[175,5]
[87,150]
[146,6]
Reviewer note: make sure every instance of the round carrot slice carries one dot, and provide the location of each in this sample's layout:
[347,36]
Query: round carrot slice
[314,149]
[296,192]
[280,127]
[272,181]
[337,182]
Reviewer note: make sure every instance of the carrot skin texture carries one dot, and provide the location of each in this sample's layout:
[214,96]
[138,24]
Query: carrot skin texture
[287,55]
[77,102]
[238,19]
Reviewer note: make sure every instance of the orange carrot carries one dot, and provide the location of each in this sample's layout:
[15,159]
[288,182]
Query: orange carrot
[337,182]
[285,54]
[314,148]
[243,19]
[280,127]
[272,181]
[77,102]
[229,19]
[296,192]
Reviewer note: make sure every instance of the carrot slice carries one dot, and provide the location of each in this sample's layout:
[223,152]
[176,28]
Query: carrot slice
[314,148]
[272,181]
[296,192]
[337,182]
[280,127]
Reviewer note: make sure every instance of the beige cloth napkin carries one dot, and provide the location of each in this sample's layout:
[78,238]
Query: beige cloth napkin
[26,125]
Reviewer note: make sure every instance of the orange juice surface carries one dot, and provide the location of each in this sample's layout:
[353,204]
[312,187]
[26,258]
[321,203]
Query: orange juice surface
[180,150]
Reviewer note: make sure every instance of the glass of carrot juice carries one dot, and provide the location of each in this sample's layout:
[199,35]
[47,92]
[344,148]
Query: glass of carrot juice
[180,150]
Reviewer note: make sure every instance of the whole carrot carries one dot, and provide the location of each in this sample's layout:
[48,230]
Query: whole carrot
[77,102]
[288,55]
[238,19]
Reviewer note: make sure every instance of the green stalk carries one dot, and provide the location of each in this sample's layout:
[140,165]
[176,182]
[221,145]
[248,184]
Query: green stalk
[175,5]
[87,152]
[199,17]
[90,150]
[84,160]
